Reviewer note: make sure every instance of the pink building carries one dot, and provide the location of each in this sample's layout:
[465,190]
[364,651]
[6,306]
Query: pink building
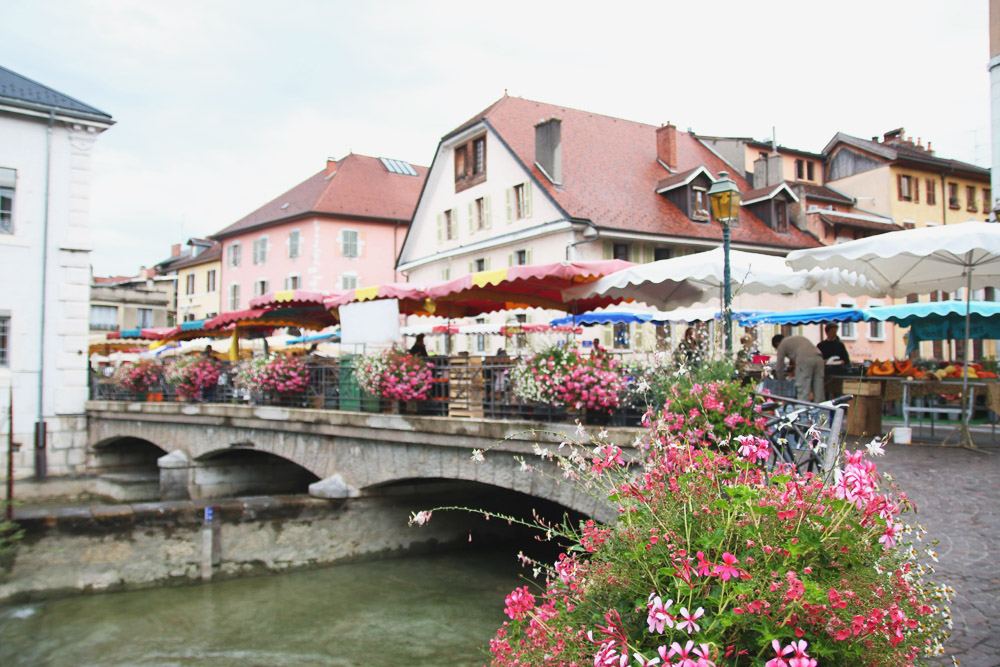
[341,228]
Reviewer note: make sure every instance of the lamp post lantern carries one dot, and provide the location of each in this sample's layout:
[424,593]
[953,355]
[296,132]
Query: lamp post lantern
[725,198]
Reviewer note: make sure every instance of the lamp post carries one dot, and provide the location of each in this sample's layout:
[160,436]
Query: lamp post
[725,198]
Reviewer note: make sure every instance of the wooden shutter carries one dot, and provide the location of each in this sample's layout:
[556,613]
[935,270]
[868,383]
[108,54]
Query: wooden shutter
[609,250]
[472,218]
[916,190]
[527,256]
[487,217]
[440,227]
[648,254]
[899,187]
[510,205]
[486,264]
[527,199]
[472,266]
[510,259]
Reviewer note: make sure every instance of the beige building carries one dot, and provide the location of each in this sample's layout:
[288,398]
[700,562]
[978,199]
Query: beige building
[124,306]
[198,280]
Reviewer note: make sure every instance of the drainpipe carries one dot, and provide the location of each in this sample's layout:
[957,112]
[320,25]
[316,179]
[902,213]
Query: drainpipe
[40,431]
[597,235]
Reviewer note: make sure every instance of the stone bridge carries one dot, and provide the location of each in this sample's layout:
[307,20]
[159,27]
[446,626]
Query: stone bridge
[217,450]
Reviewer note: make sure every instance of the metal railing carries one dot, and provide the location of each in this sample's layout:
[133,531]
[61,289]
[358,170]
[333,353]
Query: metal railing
[464,387]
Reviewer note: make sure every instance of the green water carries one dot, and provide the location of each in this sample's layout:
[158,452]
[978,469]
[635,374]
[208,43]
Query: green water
[421,610]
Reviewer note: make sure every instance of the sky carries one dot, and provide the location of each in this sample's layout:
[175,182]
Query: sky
[223,105]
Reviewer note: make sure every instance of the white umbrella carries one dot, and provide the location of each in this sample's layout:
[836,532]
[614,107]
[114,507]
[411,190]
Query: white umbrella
[918,261]
[683,281]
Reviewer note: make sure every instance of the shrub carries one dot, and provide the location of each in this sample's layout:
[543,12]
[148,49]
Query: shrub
[568,378]
[191,374]
[282,373]
[395,374]
[137,376]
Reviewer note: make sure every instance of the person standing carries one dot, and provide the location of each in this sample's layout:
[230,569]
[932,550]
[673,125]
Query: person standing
[809,366]
[419,349]
[832,346]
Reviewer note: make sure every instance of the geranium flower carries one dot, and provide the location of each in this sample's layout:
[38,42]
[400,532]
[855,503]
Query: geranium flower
[658,617]
[726,571]
[687,621]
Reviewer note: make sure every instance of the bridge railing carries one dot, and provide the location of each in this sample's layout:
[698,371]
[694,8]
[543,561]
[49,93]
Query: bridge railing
[464,387]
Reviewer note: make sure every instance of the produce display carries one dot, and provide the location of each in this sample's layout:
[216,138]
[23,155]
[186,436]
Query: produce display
[906,368]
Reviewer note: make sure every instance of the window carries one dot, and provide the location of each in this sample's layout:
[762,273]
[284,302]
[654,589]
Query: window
[4,341]
[8,177]
[905,184]
[521,202]
[189,317]
[780,216]
[143,318]
[470,163]
[522,339]
[953,196]
[799,169]
[260,288]
[104,318]
[848,330]
[260,250]
[987,200]
[931,187]
[521,257]
[349,280]
[661,253]
[663,335]
[349,246]
[970,198]
[621,335]
[699,204]
[234,297]
[480,338]
[235,255]
[479,214]
[210,281]
[620,251]
[479,264]
[810,175]
[293,282]
[447,226]
[294,243]
[190,284]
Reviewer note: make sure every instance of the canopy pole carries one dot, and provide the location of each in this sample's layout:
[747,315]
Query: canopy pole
[967,413]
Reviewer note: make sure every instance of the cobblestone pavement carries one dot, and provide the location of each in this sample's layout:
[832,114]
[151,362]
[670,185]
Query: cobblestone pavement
[958,499]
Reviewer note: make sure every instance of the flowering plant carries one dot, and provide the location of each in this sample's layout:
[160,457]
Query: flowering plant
[395,374]
[568,378]
[717,560]
[283,373]
[190,375]
[138,376]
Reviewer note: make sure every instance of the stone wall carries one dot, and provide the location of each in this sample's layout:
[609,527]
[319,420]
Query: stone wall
[119,547]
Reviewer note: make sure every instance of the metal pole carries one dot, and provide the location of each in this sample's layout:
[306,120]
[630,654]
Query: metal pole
[10,457]
[967,404]
[727,290]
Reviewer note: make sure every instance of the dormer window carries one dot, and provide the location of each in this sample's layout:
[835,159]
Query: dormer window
[780,216]
[699,203]
[470,163]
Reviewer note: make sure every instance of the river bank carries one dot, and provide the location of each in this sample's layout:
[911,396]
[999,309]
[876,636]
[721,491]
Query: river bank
[97,548]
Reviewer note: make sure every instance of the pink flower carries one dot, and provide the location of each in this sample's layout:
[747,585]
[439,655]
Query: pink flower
[779,661]
[688,623]
[726,571]
[658,617]
[519,602]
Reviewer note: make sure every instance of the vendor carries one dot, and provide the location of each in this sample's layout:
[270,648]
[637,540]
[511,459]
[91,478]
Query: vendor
[419,349]
[808,365]
[832,346]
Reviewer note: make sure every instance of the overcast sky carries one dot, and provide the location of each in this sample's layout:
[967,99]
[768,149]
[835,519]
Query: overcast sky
[222,106]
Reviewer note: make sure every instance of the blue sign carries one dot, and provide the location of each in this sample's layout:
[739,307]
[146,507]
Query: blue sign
[209,511]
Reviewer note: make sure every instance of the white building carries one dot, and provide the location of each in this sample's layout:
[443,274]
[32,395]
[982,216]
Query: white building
[46,139]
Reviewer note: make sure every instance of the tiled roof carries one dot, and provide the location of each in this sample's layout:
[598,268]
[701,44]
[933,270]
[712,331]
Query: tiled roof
[858,223]
[610,173]
[112,280]
[676,179]
[212,254]
[893,152]
[360,186]
[21,89]
[825,193]
[766,192]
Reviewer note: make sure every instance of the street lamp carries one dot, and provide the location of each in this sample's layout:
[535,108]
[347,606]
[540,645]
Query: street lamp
[725,198]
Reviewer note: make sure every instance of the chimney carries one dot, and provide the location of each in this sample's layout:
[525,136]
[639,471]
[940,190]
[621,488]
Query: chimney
[893,136]
[548,149]
[929,151]
[175,250]
[666,145]
[331,166]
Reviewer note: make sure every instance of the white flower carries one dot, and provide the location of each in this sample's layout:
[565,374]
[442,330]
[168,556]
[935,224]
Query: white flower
[875,448]
[603,434]
[477,456]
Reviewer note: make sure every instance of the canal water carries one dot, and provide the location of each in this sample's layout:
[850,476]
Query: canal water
[436,610]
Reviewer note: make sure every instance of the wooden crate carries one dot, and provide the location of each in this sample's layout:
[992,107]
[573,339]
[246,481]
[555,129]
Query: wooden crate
[864,387]
[466,388]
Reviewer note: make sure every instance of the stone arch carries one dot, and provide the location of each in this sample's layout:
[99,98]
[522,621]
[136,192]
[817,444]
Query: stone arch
[233,471]
[124,453]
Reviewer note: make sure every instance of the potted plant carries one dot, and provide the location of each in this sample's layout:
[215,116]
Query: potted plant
[137,377]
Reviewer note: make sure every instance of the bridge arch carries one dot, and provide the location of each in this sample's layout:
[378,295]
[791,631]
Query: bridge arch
[242,470]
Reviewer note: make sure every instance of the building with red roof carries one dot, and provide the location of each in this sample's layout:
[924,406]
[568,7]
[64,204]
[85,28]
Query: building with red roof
[340,228]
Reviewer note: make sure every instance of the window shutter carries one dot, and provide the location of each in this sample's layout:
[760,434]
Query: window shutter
[527,256]
[647,254]
[472,218]
[608,336]
[638,340]
[510,205]
[440,227]
[486,264]
[360,236]
[527,199]
[487,217]
[510,259]
[916,190]
[899,186]
[453,224]
[472,266]
[609,250]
